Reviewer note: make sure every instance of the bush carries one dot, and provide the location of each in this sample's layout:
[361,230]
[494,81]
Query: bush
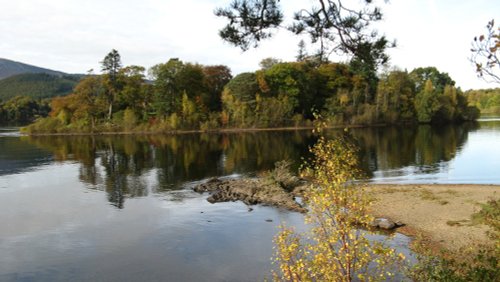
[173,121]
[45,125]
[282,176]
[335,249]
[211,123]
[478,263]
[129,119]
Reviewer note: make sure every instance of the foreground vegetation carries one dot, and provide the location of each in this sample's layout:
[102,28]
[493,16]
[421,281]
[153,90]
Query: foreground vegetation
[477,262]
[337,249]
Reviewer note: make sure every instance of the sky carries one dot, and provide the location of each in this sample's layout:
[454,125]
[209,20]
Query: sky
[74,35]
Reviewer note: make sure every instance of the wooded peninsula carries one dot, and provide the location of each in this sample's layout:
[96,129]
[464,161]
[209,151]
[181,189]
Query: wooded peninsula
[179,95]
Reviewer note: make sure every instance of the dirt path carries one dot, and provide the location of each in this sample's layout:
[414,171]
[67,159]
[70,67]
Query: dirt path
[439,212]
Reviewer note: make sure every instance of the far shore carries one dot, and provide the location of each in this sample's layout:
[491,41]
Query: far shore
[441,213]
[215,131]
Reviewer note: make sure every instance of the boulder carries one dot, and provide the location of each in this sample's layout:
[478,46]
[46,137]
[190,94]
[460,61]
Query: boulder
[386,224]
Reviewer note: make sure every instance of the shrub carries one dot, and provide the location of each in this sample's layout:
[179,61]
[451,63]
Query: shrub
[129,119]
[335,249]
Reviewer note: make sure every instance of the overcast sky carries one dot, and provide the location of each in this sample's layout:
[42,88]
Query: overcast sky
[73,36]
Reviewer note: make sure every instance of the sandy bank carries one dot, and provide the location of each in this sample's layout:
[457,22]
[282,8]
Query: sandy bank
[441,212]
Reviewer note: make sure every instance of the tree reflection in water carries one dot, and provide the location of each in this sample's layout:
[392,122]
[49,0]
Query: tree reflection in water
[126,166]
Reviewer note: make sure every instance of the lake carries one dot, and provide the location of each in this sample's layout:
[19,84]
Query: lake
[121,208]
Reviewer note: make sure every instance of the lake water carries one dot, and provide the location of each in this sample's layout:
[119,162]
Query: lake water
[121,208]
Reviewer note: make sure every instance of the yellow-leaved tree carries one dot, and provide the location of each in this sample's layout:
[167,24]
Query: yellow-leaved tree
[337,247]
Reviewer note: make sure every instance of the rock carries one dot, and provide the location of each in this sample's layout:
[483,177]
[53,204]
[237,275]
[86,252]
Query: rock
[250,192]
[399,224]
[384,223]
[211,185]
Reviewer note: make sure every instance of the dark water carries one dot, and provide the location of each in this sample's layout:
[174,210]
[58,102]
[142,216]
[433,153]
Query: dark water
[121,209]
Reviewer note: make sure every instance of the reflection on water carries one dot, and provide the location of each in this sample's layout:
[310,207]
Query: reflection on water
[389,152]
[119,208]
[120,164]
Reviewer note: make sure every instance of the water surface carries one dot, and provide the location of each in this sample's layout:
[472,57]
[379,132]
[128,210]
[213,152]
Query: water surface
[83,208]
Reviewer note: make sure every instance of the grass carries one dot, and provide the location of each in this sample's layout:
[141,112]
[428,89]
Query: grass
[489,214]
[427,194]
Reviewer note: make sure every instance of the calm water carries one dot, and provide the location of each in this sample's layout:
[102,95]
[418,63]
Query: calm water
[121,208]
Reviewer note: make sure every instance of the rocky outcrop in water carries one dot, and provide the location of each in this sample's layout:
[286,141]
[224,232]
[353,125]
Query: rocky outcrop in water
[277,188]
[253,191]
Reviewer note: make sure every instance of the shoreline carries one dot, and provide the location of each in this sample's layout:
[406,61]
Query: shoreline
[211,131]
[439,213]
[436,215]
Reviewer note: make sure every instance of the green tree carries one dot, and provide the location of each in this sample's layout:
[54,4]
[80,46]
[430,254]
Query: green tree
[486,100]
[426,103]
[189,114]
[330,24]
[86,106]
[268,63]
[111,66]
[22,110]
[239,99]
[273,111]
[302,52]
[286,79]
[215,78]
[133,94]
[334,88]
[244,87]
[166,97]
[395,97]
[172,80]
[439,80]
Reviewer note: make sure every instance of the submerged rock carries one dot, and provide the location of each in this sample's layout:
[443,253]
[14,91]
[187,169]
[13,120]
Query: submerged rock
[249,191]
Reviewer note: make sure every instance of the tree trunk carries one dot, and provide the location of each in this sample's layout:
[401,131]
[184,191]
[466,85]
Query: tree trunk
[110,111]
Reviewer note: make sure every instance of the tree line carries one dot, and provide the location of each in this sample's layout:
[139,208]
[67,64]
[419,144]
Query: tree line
[26,97]
[186,96]
[23,110]
[486,100]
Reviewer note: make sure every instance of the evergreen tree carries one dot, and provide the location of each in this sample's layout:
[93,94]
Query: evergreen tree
[111,66]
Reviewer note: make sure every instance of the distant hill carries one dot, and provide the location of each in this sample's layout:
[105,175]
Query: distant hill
[10,68]
[37,85]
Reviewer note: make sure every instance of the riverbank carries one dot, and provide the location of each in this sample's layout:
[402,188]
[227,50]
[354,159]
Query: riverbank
[440,213]
[191,131]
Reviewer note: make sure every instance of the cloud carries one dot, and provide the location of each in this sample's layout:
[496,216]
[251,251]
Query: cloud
[73,36]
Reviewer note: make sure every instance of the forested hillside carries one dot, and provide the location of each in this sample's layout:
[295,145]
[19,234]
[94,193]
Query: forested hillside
[37,85]
[10,68]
